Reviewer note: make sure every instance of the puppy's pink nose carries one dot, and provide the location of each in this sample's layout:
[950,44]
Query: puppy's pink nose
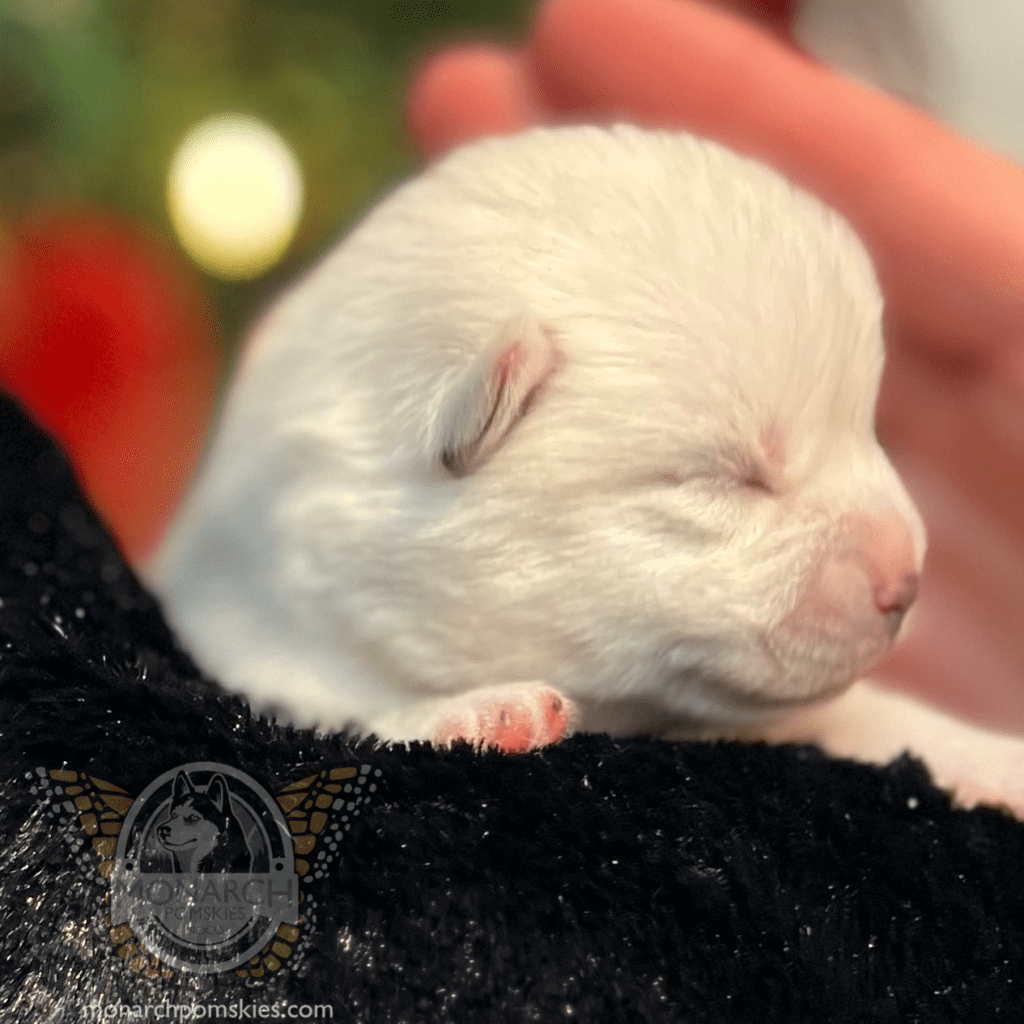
[892,567]
[894,598]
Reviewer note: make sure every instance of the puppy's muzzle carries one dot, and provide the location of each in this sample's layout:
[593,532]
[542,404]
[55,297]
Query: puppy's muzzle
[892,567]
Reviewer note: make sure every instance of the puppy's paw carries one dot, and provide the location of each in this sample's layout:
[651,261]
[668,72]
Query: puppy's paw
[514,718]
[970,793]
[870,723]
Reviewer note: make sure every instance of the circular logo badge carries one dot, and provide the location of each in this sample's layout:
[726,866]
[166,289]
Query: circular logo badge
[204,870]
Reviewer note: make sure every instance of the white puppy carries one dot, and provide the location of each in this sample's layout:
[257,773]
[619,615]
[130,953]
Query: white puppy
[575,427]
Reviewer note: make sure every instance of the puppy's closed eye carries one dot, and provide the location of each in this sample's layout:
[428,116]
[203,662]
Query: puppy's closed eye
[726,480]
[761,469]
[735,469]
[755,479]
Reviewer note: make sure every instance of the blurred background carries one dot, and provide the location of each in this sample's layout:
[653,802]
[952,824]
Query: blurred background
[165,167]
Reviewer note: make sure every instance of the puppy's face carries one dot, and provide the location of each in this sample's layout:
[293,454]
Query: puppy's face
[594,408]
[725,540]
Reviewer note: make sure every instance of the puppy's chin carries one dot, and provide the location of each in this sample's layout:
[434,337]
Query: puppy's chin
[785,671]
[745,703]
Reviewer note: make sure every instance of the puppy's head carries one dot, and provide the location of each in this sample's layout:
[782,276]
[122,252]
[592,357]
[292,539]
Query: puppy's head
[593,407]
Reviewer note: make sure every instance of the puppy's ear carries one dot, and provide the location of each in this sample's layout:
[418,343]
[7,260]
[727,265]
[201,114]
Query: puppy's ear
[495,394]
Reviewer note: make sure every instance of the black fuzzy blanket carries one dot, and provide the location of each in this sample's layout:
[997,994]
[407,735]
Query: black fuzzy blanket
[596,881]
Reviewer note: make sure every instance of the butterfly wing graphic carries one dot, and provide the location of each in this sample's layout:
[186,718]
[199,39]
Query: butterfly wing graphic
[90,812]
[319,811]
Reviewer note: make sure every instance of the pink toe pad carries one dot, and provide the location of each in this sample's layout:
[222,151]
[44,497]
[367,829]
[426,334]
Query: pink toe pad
[512,718]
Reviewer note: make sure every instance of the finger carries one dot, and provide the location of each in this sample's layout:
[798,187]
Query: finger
[773,14]
[961,419]
[957,437]
[944,221]
[965,629]
[466,93]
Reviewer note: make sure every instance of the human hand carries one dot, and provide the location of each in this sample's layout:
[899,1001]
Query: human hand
[943,219]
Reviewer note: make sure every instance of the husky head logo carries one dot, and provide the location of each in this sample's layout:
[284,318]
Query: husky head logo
[201,830]
[198,837]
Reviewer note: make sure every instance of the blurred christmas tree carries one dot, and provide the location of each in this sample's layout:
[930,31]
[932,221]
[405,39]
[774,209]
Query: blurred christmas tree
[96,94]
[104,329]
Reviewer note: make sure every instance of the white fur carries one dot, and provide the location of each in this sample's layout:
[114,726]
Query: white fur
[677,515]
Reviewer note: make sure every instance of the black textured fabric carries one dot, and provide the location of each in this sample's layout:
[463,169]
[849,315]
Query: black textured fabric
[596,881]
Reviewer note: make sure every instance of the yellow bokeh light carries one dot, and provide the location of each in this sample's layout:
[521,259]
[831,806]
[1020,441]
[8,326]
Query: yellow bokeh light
[235,195]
